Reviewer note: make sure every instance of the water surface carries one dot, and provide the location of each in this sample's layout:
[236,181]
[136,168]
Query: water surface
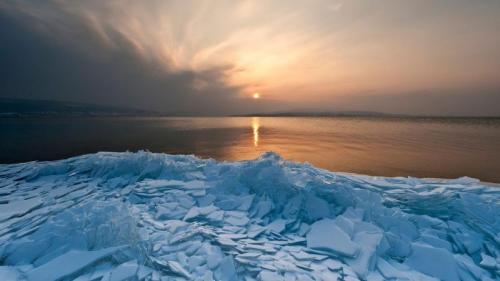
[420,147]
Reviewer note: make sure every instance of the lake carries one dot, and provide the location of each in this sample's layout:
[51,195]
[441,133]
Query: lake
[419,147]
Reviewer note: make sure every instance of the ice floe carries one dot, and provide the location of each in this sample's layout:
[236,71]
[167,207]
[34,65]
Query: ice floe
[146,216]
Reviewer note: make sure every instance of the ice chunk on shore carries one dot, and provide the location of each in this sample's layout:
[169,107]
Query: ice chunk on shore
[68,264]
[435,262]
[8,273]
[488,261]
[124,271]
[18,207]
[146,216]
[326,235]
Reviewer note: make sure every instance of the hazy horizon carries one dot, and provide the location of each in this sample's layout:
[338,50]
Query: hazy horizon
[211,58]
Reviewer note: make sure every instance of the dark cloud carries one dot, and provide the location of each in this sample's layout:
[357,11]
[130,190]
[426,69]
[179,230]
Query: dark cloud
[41,60]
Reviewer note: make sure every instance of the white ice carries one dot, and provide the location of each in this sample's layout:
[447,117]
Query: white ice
[145,216]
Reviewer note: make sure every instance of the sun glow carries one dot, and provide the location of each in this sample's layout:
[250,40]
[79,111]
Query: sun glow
[256,95]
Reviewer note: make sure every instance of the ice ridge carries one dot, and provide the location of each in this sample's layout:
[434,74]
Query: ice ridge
[147,216]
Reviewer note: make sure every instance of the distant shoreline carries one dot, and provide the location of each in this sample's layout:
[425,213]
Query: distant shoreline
[25,108]
[119,115]
[379,115]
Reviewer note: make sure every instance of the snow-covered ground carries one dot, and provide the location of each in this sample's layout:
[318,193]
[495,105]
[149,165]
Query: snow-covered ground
[145,216]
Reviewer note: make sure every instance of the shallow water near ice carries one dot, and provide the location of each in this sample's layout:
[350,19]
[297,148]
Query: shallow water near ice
[146,216]
[419,147]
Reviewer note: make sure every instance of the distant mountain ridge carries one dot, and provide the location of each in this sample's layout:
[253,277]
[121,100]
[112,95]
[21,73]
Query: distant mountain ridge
[15,107]
[354,114]
[11,107]
[319,114]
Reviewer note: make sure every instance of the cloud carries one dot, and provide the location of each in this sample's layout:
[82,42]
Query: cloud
[49,52]
[208,57]
[335,7]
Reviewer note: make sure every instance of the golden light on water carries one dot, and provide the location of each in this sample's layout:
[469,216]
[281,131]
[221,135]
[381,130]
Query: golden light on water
[255,128]
[256,95]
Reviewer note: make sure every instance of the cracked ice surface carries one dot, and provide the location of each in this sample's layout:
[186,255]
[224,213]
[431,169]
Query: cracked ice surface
[145,216]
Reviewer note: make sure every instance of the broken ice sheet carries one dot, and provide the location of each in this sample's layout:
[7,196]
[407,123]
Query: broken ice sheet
[146,216]
[18,207]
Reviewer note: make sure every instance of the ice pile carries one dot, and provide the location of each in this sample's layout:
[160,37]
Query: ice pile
[145,216]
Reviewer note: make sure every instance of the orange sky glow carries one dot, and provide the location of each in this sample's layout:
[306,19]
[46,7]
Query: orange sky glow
[303,52]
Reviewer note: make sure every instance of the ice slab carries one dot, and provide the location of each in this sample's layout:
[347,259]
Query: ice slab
[18,207]
[68,264]
[125,271]
[326,235]
[8,273]
[146,216]
[435,262]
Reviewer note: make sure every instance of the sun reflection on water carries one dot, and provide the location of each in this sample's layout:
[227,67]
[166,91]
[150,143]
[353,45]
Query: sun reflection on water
[255,128]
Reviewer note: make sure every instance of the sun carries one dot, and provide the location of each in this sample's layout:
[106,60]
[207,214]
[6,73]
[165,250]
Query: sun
[256,95]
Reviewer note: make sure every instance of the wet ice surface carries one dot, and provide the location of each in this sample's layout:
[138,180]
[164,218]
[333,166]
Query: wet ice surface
[144,216]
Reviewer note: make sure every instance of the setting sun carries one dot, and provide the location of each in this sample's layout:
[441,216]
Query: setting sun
[256,95]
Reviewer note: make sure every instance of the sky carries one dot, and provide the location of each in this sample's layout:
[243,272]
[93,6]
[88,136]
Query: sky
[439,57]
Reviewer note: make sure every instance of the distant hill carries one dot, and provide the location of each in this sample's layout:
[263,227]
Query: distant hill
[357,114]
[319,114]
[10,107]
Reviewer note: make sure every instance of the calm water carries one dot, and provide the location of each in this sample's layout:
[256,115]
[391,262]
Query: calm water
[445,148]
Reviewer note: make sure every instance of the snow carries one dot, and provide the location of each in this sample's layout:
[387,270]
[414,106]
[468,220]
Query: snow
[146,216]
